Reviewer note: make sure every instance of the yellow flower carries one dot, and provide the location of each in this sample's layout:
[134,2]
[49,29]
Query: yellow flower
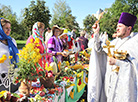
[46,66]
[83,100]
[50,68]
[67,63]
[2,92]
[68,81]
[1,60]
[10,57]
[18,53]
[78,75]
[34,55]
[39,56]
[72,85]
[31,40]
[37,50]
[36,40]
[23,48]
[4,57]
[38,45]
[29,56]
[25,57]
[75,72]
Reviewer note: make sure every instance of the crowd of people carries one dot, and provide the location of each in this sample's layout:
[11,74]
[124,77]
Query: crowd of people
[106,83]
[57,41]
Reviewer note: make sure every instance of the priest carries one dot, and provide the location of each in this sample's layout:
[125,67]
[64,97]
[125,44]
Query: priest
[112,78]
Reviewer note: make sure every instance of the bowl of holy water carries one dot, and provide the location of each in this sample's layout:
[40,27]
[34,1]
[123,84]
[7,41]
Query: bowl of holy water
[120,54]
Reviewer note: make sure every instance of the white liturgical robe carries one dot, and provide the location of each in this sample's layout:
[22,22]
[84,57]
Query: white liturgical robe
[105,85]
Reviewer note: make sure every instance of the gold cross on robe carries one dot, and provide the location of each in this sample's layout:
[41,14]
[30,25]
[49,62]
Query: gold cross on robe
[108,46]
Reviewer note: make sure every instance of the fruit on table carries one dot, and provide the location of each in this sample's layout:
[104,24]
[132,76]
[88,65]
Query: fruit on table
[42,93]
[54,66]
[77,66]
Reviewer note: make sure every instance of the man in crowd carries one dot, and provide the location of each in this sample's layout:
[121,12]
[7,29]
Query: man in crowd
[115,78]
[73,33]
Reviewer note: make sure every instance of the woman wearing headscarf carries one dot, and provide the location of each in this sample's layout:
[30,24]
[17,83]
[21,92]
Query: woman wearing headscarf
[8,47]
[38,31]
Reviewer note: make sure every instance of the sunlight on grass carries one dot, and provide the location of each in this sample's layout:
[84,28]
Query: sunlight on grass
[20,43]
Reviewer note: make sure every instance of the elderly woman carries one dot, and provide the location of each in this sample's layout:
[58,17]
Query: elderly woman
[38,30]
[8,47]
[55,46]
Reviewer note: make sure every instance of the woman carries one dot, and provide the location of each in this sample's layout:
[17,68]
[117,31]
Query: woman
[55,45]
[8,47]
[83,42]
[70,41]
[38,30]
[64,40]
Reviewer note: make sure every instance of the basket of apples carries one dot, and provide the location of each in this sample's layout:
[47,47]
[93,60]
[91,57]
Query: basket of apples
[48,81]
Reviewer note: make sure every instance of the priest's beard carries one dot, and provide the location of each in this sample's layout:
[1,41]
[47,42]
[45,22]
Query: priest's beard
[122,35]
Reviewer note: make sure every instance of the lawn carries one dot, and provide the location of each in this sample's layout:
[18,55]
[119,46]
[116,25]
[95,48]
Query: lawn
[20,43]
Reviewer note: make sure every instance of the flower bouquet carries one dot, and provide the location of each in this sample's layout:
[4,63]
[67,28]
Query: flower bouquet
[28,66]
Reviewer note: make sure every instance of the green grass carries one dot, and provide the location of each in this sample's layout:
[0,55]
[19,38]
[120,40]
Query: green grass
[20,43]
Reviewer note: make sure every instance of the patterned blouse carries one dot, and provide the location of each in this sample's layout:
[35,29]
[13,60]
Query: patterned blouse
[55,45]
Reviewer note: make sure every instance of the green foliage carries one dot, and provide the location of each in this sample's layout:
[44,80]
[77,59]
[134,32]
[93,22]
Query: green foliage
[1,13]
[28,66]
[20,43]
[17,30]
[63,17]
[37,11]
[88,22]
[110,18]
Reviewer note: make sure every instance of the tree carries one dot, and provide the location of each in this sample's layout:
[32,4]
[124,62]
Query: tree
[63,17]
[1,13]
[6,12]
[88,22]
[37,11]
[110,18]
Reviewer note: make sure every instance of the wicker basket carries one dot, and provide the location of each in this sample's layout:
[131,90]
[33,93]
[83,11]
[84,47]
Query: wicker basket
[25,88]
[47,82]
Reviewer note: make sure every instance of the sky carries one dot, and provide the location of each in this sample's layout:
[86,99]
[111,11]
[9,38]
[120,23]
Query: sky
[80,8]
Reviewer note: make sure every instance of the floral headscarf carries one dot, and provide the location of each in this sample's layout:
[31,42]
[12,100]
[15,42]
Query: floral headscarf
[36,34]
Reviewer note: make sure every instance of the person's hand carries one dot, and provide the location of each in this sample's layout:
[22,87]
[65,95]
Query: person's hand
[96,28]
[111,61]
[43,54]
[63,54]
[47,54]
[114,35]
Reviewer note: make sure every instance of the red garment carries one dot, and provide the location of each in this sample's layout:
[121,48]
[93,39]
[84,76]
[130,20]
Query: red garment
[70,43]
[76,57]
[92,35]
[83,42]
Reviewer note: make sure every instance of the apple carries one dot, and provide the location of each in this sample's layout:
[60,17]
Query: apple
[42,93]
